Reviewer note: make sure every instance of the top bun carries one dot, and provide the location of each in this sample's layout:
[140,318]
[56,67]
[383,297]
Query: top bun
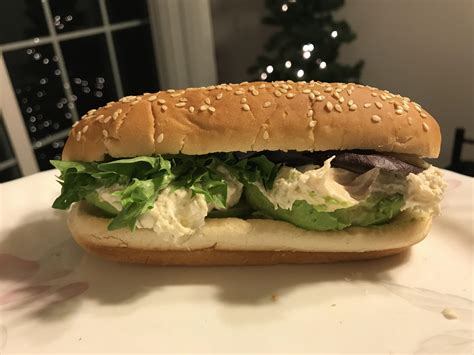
[283,115]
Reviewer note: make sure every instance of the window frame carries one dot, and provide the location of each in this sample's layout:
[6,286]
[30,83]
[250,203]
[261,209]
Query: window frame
[183,27]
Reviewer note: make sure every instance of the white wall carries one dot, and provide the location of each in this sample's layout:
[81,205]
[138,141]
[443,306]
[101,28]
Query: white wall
[423,49]
[420,48]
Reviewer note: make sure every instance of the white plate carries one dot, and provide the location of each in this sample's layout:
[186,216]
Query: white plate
[55,298]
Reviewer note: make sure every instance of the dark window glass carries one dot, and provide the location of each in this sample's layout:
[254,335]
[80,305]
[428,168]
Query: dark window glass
[36,79]
[10,173]
[48,152]
[70,15]
[21,19]
[6,151]
[88,66]
[126,10]
[138,71]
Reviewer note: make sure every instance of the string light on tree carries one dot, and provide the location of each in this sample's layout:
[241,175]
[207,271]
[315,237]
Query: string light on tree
[301,36]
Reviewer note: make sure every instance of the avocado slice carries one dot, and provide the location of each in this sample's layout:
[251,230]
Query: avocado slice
[94,199]
[376,209]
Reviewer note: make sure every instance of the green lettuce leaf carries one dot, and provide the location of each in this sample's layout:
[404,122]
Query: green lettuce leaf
[376,209]
[141,179]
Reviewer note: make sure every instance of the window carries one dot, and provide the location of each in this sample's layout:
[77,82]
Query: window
[61,59]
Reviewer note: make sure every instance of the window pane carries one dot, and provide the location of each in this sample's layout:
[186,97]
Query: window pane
[88,64]
[136,60]
[126,10]
[36,79]
[21,19]
[46,153]
[70,15]
[6,151]
[10,173]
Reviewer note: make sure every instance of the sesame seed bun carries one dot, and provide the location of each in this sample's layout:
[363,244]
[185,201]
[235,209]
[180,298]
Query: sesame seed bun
[234,241]
[255,116]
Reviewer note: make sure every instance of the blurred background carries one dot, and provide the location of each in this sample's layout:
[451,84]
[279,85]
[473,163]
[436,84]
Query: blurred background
[59,59]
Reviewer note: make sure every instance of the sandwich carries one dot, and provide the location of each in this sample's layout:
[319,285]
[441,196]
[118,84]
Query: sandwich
[252,173]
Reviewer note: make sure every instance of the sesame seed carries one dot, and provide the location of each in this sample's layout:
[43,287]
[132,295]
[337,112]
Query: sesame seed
[383,97]
[262,86]
[349,92]
[116,114]
[99,117]
[367,105]
[267,104]
[265,135]
[423,115]
[320,98]
[207,101]
[374,94]
[107,119]
[376,118]
[283,90]
[410,120]
[164,108]
[243,100]
[239,92]
[212,109]
[75,124]
[405,107]
[151,98]
[350,102]
[341,100]
[328,89]
[85,128]
[170,91]
[177,94]
[245,107]
[78,136]
[219,96]
[306,91]
[90,112]
[203,108]
[277,93]
[418,108]
[336,95]
[254,92]
[399,112]
[180,104]
[391,101]
[378,104]
[191,109]
[425,127]
[312,124]
[229,88]
[310,113]
[161,101]
[353,107]
[316,92]
[135,102]
[160,138]
[312,96]
[329,106]
[290,95]
[338,108]
[105,133]
[338,90]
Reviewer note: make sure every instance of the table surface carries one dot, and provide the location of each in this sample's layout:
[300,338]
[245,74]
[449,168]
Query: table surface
[56,298]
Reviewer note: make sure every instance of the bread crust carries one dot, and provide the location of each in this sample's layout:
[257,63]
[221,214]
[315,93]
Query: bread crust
[255,116]
[233,241]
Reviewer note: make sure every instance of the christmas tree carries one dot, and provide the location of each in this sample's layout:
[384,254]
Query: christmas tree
[306,46]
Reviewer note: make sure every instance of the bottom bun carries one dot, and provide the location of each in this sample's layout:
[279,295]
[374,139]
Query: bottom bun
[234,241]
